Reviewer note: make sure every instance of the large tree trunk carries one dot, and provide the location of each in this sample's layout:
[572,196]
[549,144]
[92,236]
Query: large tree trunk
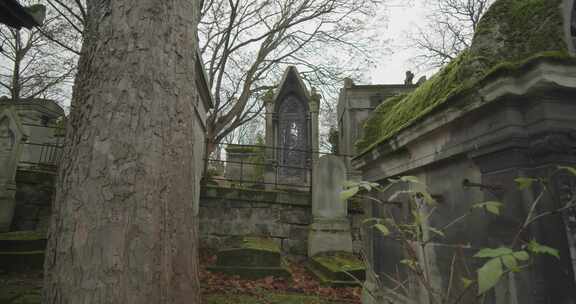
[124,228]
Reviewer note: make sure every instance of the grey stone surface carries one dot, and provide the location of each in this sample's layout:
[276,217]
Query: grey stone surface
[226,214]
[329,236]
[330,230]
[513,127]
[355,103]
[291,131]
[11,137]
[328,182]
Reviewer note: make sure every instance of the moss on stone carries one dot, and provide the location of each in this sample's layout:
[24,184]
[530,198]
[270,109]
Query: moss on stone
[337,269]
[22,236]
[257,243]
[340,261]
[511,35]
[266,298]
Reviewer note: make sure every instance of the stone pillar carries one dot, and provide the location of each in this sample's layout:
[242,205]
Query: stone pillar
[314,125]
[330,230]
[10,150]
[270,170]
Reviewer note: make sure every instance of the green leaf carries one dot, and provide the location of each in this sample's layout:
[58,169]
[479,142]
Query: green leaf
[525,182]
[521,255]
[372,219]
[410,263]
[348,193]
[368,185]
[569,169]
[428,199]
[537,248]
[410,179]
[383,229]
[437,231]
[490,206]
[350,184]
[493,253]
[489,275]
[466,282]
[510,262]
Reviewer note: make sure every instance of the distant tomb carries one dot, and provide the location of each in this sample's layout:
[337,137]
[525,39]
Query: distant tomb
[251,258]
[291,131]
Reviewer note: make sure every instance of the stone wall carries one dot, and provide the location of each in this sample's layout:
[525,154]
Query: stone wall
[34,194]
[226,213]
[471,153]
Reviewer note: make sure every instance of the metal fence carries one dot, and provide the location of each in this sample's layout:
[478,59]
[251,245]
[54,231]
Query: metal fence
[251,166]
[43,154]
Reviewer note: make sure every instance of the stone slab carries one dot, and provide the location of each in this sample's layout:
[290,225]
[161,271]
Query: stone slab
[338,269]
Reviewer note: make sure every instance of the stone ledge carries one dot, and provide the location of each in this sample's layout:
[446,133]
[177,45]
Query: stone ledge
[338,269]
[296,198]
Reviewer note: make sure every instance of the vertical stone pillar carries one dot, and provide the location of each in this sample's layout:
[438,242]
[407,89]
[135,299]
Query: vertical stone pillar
[10,150]
[270,153]
[330,230]
[314,124]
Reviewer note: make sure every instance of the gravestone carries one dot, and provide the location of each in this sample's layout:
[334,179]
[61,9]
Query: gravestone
[10,150]
[291,131]
[251,258]
[330,230]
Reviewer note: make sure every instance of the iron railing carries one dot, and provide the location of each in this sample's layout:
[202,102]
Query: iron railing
[44,154]
[252,166]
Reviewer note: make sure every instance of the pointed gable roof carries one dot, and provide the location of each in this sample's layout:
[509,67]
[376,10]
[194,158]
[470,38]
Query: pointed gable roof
[291,83]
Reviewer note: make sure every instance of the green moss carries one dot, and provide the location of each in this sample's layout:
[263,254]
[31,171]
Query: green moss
[259,244]
[242,149]
[341,261]
[265,298]
[22,236]
[512,34]
[28,299]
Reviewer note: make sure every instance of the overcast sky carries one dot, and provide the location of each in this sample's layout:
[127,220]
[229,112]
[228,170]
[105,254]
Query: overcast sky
[402,16]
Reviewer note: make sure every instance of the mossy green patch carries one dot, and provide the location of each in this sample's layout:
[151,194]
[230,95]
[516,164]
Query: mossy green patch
[22,236]
[340,261]
[511,35]
[257,243]
[338,268]
[265,298]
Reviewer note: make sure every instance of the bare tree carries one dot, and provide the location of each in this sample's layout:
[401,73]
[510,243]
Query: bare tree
[30,65]
[124,224]
[246,45]
[449,30]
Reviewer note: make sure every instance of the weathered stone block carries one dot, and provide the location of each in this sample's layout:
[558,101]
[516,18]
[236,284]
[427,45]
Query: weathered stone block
[338,268]
[298,232]
[295,246]
[296,216]
[251,257]
[329,236]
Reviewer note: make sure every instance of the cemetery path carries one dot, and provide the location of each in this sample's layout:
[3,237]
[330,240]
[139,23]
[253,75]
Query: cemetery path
[303,288]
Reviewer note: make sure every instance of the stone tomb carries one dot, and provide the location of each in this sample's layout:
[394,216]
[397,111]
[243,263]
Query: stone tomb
[251,258]
[291,131]
[330,238]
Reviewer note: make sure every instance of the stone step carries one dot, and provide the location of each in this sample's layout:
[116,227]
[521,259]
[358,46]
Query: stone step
[22,261]
[337,269]
[22,245]
[22,241]
[251,258]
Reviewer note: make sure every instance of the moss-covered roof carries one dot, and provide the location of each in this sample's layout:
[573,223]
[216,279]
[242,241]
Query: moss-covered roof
[512,34]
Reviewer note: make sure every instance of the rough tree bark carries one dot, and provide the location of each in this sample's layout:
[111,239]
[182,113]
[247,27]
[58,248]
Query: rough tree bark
[124,228]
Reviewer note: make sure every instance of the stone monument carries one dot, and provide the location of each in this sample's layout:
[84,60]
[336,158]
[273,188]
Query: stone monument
[291,131]
[330,229]
[11,136]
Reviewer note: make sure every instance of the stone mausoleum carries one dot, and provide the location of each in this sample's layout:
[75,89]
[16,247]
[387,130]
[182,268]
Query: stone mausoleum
[503,110]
